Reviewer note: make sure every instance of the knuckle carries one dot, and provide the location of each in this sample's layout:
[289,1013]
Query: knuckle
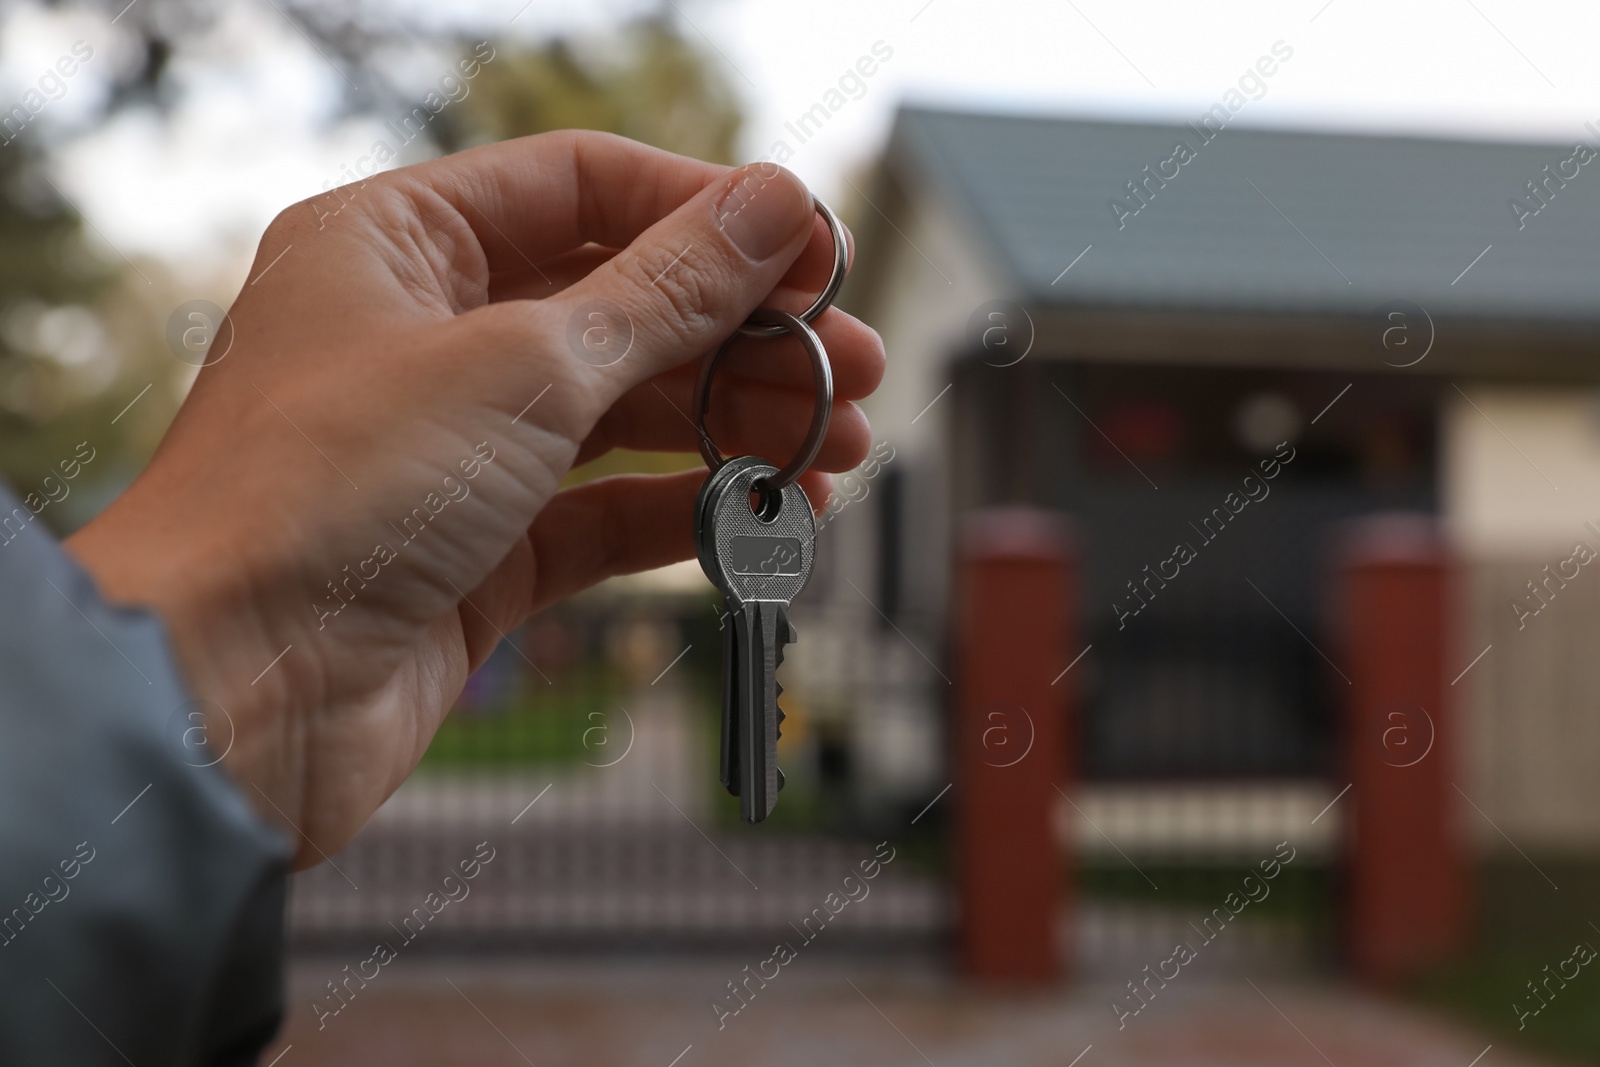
[516,328]
[683,290]
[325,210]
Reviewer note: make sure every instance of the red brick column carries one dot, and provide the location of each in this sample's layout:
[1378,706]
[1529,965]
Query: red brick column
[1406,863]
[1014,630]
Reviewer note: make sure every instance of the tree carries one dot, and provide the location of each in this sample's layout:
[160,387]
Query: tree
[82,334]
[53,349]
[647,83]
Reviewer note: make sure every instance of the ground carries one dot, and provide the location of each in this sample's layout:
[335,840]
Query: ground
[842,1011]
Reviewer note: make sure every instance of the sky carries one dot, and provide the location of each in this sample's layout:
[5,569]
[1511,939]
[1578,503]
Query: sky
[259,133]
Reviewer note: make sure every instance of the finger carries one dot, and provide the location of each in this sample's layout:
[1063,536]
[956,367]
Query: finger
[746,418]
[691,279]
[854,349]
[818,486]
[809,274]
[543,280]
[546,279]
[586,534]
[855,356]
[618,525]
[533,198]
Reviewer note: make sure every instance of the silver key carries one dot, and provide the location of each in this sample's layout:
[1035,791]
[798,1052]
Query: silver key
[702,524]
[729,625]
[760,562]
[760,629]
[730,681]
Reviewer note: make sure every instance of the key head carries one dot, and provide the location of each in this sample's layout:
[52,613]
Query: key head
[753,556]
[702,511]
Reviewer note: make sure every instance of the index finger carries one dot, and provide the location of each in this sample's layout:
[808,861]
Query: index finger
[531,199]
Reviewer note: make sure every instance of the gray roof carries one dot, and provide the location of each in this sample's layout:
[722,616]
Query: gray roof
[1334,224]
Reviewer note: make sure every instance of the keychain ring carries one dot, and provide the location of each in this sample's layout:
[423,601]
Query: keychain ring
[754,327]
[782,322]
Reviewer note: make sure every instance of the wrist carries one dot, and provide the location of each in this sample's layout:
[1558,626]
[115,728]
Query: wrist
[207,601]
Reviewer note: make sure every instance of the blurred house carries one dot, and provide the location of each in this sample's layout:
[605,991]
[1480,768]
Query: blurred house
[1083,317]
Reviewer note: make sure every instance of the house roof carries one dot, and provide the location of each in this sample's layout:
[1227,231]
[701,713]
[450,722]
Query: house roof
[1264,220]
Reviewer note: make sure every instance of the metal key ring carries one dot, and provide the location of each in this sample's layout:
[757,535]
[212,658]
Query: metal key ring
[783,322]
[753,327]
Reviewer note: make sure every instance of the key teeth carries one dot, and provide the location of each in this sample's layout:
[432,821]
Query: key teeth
[787,635]
[779,734]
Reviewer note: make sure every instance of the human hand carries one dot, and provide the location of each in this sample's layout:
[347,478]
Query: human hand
[359,478]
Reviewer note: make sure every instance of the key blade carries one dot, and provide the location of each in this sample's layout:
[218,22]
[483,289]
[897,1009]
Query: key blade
[757,711]
[730,702]
[786,635]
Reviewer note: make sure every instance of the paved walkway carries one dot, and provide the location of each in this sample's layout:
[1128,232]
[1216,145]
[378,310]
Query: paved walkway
[842,1012]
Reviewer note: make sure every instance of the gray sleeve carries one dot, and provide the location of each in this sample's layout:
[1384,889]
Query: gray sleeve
[141,898]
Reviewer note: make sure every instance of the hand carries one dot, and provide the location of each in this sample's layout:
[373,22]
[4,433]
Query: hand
[359,477]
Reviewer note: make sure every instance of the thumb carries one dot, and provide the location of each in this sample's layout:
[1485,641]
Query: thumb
[686,283]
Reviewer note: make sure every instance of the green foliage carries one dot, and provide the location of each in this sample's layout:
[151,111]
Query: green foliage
[81,332]
[1525,925]
[1302,892]
[646,83]
[1481,990]
[543,724]
[58,360]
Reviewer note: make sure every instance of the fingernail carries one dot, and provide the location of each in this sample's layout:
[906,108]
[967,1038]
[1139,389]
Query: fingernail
[762,209]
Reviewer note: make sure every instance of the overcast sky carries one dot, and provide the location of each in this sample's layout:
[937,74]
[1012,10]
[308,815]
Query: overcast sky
[257,137]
